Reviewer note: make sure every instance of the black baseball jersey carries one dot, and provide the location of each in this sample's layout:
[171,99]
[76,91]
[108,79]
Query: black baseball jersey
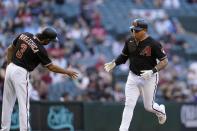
[29,52]
[142,57]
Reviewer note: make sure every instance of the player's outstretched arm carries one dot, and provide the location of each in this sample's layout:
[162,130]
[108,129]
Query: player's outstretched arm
[121,59]
[57,69]
[109,66]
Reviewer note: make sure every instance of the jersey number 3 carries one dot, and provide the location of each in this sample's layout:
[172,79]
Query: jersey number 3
[19,53]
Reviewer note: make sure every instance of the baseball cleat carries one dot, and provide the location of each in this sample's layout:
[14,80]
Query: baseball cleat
[162,116]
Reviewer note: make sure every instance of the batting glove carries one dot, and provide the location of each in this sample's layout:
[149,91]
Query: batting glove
[109,66]
[146,74]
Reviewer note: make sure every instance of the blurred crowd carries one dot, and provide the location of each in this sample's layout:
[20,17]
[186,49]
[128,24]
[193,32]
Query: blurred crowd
[83,39]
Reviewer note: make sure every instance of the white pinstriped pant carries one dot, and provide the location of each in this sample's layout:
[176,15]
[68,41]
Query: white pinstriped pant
[136,86]
[15,86]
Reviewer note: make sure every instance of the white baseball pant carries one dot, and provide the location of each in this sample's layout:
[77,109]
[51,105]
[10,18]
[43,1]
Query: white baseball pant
[135,86]
[15,86]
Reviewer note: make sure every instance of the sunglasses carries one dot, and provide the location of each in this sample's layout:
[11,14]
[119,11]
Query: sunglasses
[135,31]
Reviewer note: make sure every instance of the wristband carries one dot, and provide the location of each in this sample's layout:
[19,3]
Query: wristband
[154,70]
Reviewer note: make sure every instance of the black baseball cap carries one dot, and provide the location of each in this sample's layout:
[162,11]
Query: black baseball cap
[139,24]
[48,33]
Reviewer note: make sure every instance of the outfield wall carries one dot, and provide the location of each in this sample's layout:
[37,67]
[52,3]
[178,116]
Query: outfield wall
[97,116]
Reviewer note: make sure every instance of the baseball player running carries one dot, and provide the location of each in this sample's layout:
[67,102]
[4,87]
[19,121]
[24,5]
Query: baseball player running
[143,52]
[26,52]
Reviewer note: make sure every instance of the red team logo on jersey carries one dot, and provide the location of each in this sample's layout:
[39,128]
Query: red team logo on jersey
[146,51]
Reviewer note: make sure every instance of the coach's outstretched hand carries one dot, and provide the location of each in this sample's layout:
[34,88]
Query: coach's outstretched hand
[72,74]
[109,66]
[68,72]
